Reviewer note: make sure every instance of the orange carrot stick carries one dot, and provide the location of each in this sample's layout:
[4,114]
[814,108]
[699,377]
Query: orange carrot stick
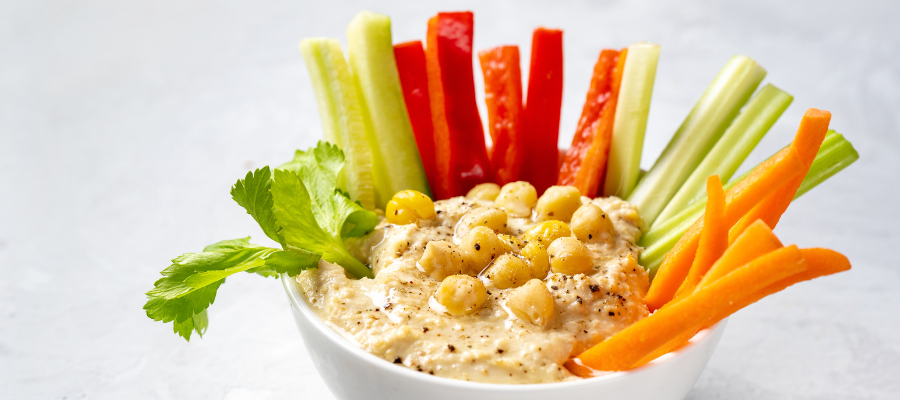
[821,262]
[713,239]
[757,240]
[741,198]
[809,138]
[670,346]
[635,342]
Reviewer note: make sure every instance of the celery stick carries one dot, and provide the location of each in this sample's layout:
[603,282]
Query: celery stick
[395,156]
[732,149]
[835,154]
[698,133]
[623,167]
[341,115]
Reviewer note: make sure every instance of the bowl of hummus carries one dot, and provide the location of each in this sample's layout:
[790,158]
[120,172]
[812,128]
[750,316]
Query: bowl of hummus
[487,295]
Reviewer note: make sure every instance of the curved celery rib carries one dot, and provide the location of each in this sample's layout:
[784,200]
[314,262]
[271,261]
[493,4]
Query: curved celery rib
[733,148]
[396,160]
[339,109]
[698,133]
[630,121]
[835,154]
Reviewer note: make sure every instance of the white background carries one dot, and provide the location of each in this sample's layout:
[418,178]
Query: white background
[123,125]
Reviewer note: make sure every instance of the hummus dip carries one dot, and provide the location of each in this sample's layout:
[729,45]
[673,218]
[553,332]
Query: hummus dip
[395,316]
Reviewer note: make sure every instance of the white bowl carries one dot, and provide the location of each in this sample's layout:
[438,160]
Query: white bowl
[351,373]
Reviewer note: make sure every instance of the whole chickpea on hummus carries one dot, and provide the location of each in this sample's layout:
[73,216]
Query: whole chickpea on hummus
[498,286]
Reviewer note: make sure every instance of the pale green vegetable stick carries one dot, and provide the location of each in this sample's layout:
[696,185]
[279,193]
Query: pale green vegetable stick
[396,160]
[632,110]
[732,149]
[339,109]
[698,133]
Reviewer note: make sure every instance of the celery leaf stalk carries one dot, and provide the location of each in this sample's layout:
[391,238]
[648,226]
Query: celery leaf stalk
[339,109]
[702,128]
[630,124]
[835,154]
[732,149]
[396,160]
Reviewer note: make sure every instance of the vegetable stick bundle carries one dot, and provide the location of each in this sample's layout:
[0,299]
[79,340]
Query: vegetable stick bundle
[729,259]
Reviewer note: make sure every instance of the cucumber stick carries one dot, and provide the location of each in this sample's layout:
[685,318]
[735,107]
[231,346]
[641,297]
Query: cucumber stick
[630,124]
[732,149]
[342,119]
[698,133]
[395,156]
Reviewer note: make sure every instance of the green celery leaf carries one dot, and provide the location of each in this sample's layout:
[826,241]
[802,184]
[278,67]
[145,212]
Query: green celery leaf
[253,194]
[318,168]
[190,284]
[198,322]
[292,261]
[313,214]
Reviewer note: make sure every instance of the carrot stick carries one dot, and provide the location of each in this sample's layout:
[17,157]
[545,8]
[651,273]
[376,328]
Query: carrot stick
[713,239]
[757,240]
[741,198]
[635,342]
[821,262]
[806,142]
[503,95]
[670,346]
[590,145]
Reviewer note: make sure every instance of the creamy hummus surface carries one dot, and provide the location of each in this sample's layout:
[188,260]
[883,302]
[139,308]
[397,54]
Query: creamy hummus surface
[395,316]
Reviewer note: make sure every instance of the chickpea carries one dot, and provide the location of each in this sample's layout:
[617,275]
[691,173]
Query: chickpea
[484,191]
[512,243]
[442,259]
[409,206]
[591,224]
[557,202]
[481,246]
[532,302]
[546,232]
[490,217]
[569,256]
[509,270]
[461,294]
[517,198]
[538,259]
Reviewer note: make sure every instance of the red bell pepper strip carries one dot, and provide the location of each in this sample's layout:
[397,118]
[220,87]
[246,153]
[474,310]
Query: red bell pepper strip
[585,163]
[462,160]
[410,58]
[503,95]
[542,108]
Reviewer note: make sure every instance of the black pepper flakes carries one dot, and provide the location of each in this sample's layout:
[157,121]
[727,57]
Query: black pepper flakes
[477,247]
[451,347]
[594,288]
[425,329]
[398,361]
[612,314]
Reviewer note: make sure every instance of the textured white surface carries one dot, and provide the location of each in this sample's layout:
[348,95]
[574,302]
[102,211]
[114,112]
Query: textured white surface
[123,124]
